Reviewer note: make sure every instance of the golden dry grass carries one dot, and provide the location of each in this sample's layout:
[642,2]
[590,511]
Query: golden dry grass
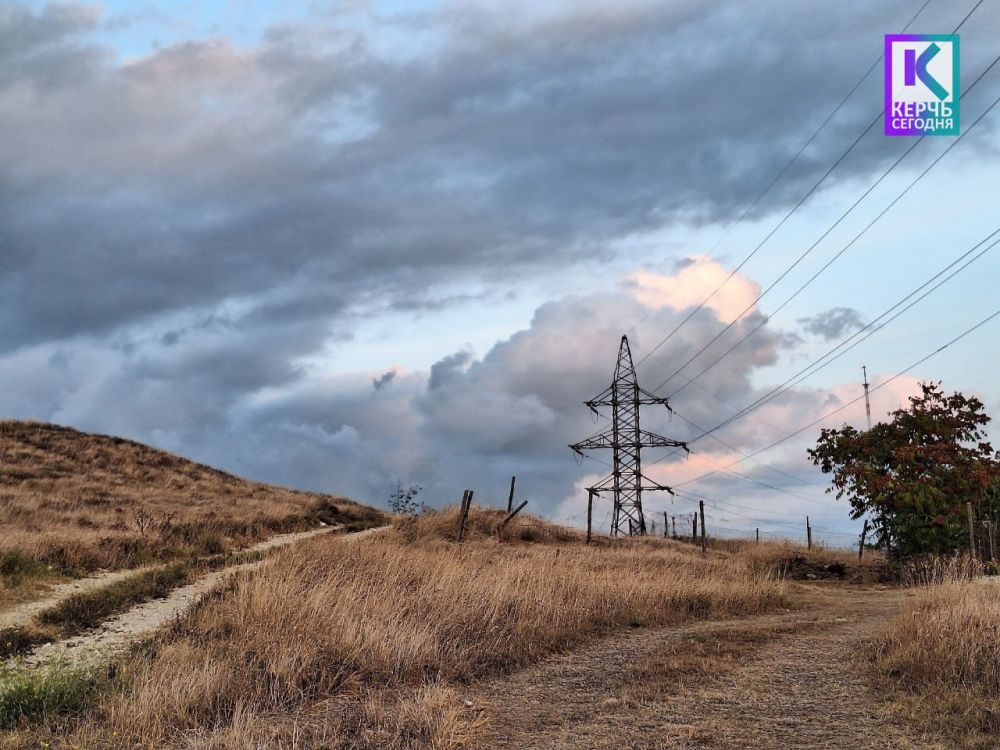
[80,502]
[794,560]
[366,644]
[941,658]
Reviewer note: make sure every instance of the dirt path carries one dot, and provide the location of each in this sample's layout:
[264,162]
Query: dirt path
[800,690]
[23,614]
[144,619]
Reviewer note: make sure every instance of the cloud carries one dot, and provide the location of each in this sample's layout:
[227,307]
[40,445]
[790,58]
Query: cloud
[320,166]
[833,323]
[383,380]
[696,280]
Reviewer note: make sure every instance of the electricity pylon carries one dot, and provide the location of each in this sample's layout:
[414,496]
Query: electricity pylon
[626,439]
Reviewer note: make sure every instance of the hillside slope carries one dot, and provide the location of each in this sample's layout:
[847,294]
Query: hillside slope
[77,501]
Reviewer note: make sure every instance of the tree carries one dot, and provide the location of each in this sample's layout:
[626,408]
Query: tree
[914,474]
[403,500]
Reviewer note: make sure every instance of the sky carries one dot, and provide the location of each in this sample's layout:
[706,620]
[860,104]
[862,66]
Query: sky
[337,245]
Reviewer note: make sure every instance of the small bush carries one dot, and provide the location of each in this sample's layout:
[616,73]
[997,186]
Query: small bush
[45,692]
[20,640]
[16,566]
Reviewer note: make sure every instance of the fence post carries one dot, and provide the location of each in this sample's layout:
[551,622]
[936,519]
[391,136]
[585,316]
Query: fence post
[694,532]
[466,504]
[512,514]
[590,513]
[758,536]
[861,544]
[510,497]
[809,534]
[701,510]
[673,525]
[666,526]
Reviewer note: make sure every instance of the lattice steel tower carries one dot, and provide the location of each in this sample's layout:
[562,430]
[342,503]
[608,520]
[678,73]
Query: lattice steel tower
[626,439]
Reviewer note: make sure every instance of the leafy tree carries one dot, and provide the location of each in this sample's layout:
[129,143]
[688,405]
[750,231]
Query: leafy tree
[914,474]
[403,500]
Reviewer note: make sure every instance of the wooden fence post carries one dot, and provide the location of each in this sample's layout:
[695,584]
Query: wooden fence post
[466,504]
[809,534]
[512,514]
[701,510]
[758,536]
[861,544]
[673,525]
[666,526]
[510,497]
[590,513]
[694,532]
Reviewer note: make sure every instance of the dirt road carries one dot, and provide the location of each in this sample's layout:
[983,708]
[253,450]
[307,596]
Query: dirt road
[799,690]
[144,619]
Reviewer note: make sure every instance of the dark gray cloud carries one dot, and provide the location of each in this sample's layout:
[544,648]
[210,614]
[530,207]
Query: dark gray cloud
[316,164]
[383,380]
[833,323]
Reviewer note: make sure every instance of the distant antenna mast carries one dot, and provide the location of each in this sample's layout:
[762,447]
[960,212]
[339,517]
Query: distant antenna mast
[626,482]
[868,406]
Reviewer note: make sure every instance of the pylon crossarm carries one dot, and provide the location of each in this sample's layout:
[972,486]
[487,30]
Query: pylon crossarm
[652,440]
[605,485]
[651,398]
[656,486]
[604,398]
[602,440]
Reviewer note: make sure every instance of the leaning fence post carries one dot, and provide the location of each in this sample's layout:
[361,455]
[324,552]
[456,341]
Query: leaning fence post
[510,497]
[512,514]
[861,544]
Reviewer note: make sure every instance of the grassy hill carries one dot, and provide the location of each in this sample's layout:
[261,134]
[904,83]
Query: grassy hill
[79,502]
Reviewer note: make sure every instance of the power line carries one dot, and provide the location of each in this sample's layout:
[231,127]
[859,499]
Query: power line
[805,197]
[840,408]
[829,356]
[871,327]
[816,366]
[743,476]
[808,142]
[825,234]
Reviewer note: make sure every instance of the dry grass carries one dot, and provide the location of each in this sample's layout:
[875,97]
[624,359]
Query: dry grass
[797,561]
[366,644]
[941,657]
[80,502]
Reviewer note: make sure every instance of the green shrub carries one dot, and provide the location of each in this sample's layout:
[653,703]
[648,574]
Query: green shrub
[42,693]
[16,566]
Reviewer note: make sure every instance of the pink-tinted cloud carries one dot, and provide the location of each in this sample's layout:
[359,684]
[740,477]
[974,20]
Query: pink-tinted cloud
[698,278]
